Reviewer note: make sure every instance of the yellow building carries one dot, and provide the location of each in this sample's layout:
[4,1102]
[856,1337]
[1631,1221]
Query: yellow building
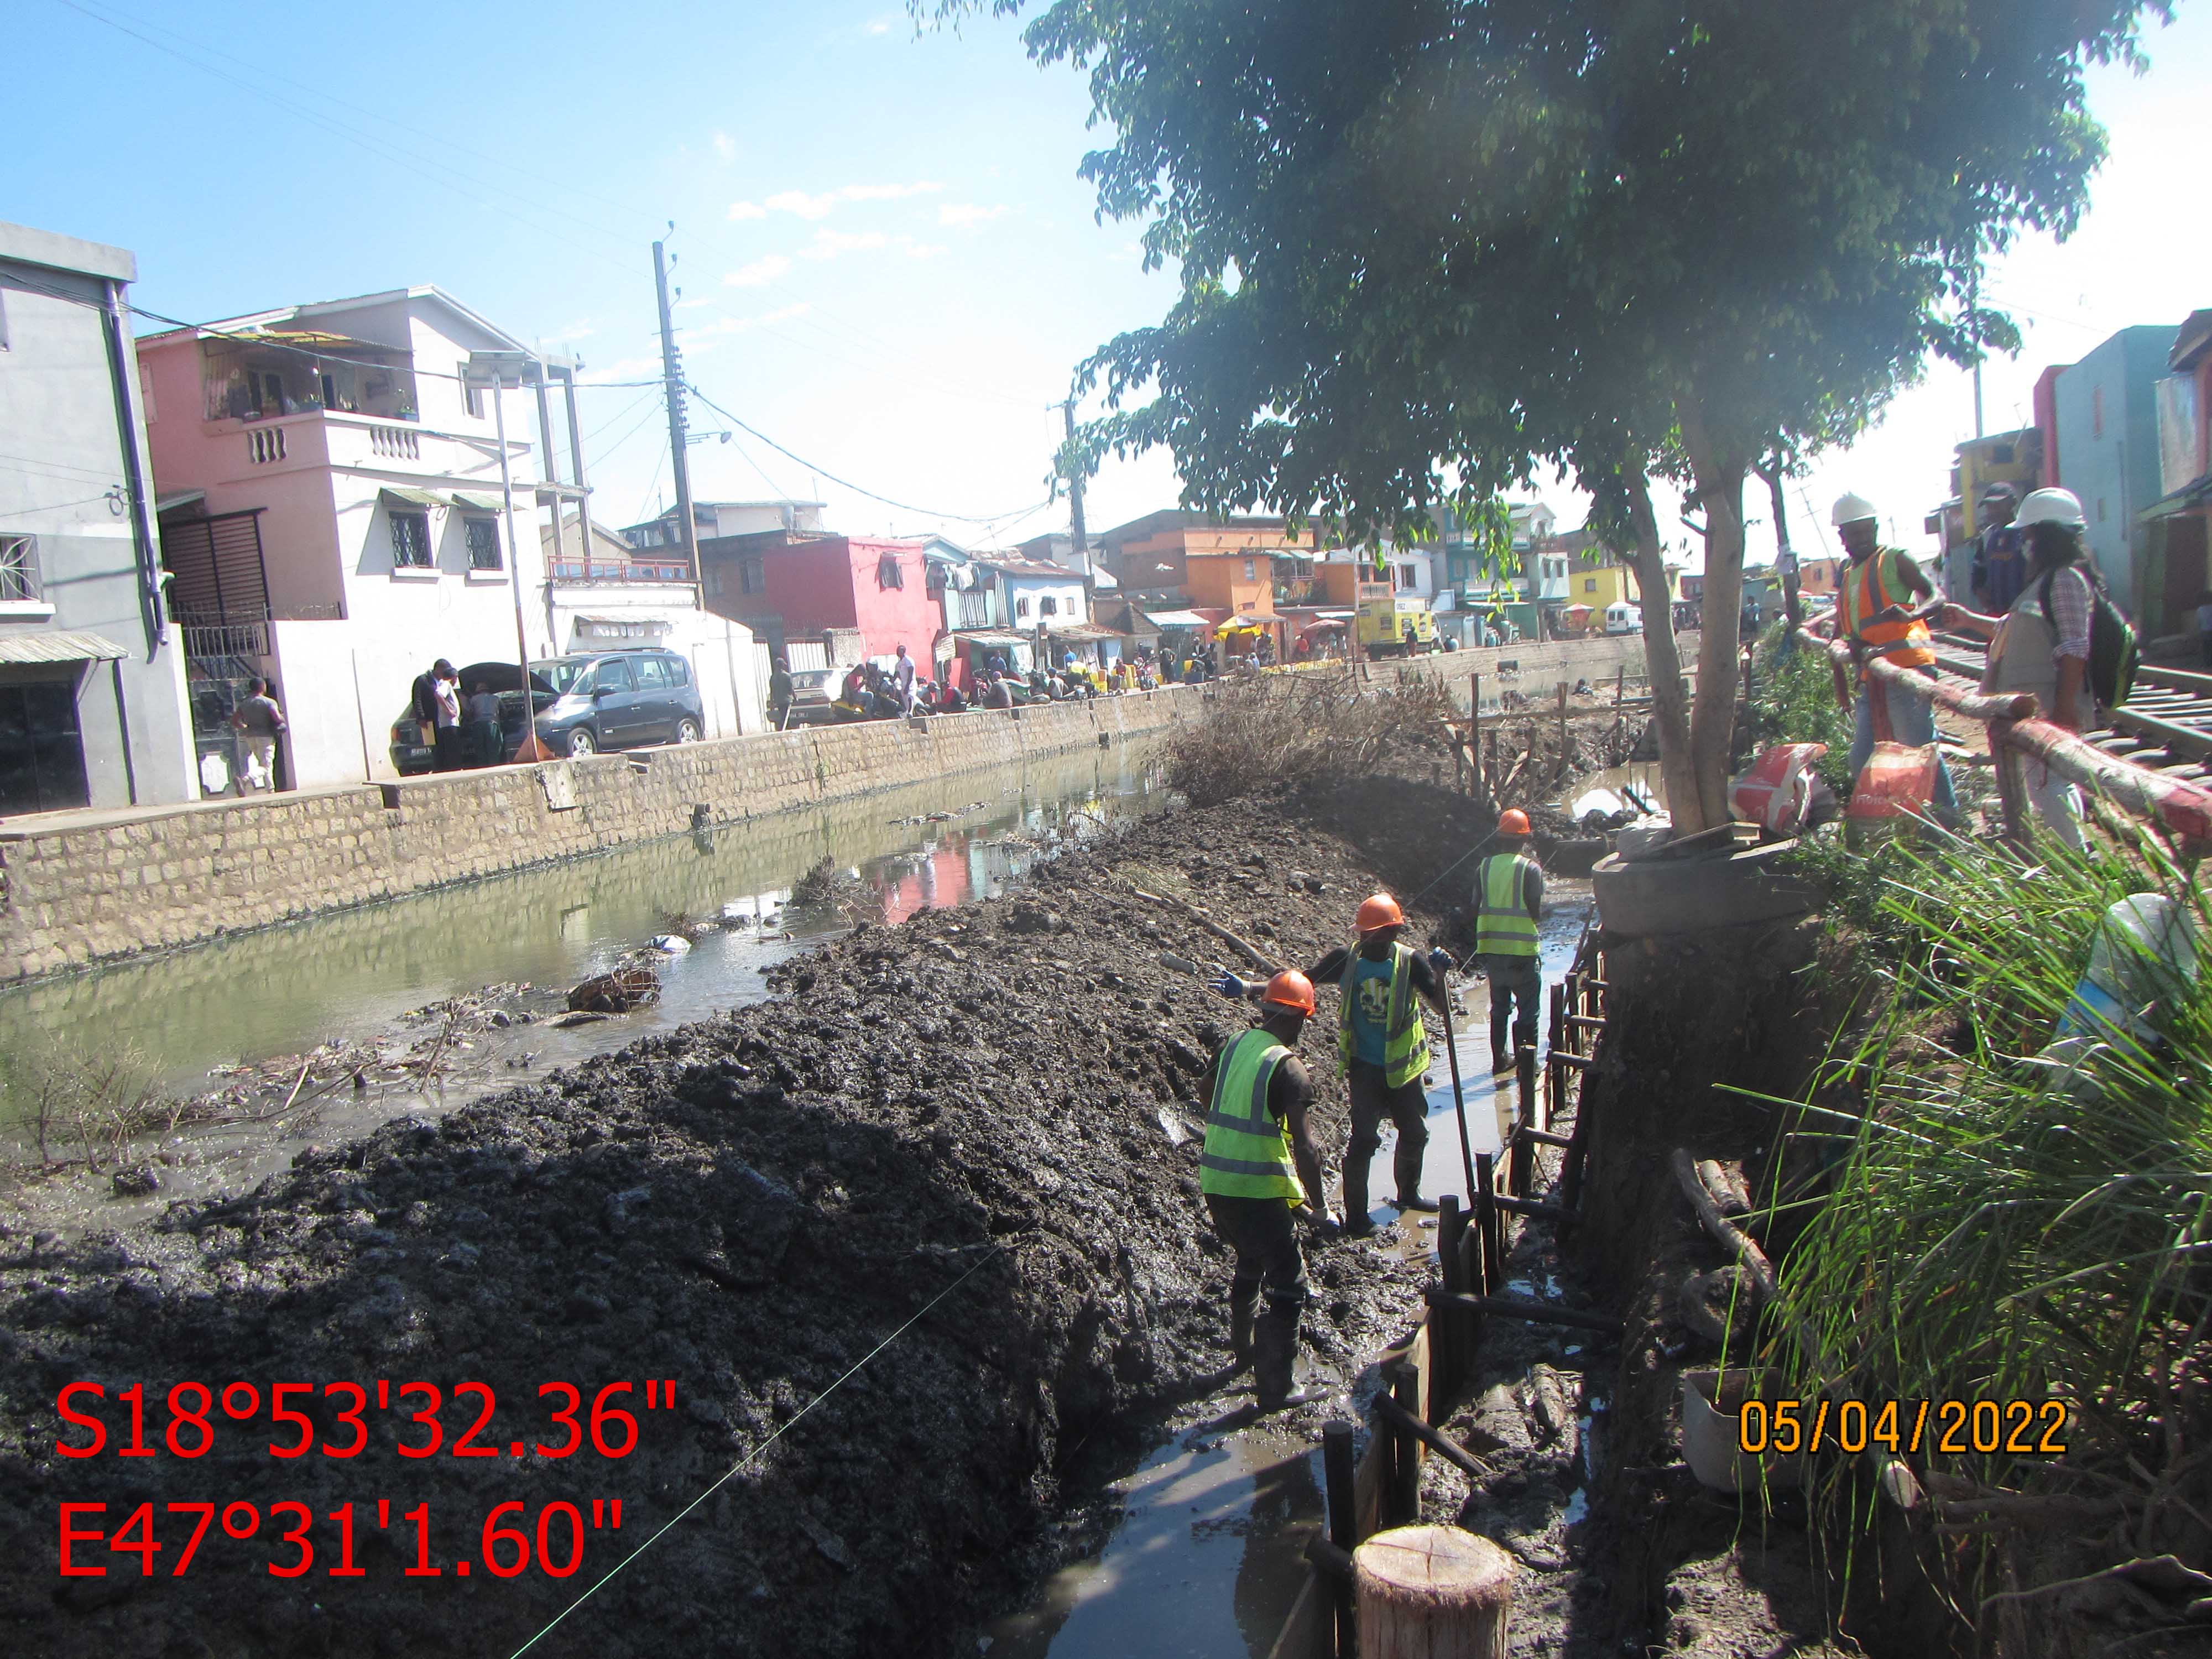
[1598,586]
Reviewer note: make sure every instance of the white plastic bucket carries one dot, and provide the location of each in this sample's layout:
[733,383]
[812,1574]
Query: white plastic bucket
[1710,1401]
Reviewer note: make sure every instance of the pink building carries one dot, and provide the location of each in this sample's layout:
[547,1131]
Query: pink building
[789,588]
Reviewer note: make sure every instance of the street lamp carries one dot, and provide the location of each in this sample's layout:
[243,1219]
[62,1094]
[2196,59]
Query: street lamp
[497,371]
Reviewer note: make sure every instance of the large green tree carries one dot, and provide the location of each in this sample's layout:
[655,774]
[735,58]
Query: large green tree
[1427,246]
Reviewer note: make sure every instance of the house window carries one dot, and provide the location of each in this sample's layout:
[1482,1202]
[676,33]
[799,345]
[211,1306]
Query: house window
[714,583]
[1048,606]
[19,568]
[483,544]
[1251,571]
[1021,608]
[888,574]
[471,396]
[752,576]
[1590,584]
[411,541]
[1406,576]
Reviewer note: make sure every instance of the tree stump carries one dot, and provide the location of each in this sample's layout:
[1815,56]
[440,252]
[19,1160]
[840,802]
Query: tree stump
[1432,1593]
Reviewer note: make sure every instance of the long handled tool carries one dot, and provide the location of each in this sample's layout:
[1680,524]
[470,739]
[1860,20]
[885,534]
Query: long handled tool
[1459,1095]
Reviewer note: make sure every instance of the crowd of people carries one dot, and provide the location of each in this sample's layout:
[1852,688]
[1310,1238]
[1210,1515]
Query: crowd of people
[461,723]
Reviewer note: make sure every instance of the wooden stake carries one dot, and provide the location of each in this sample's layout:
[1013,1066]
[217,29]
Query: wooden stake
[1340,1476]
[1405,1460]
[1432,1593]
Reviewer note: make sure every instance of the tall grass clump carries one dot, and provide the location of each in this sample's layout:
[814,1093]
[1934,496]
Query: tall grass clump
[1303,727]
[2016,1219]
[1793,699]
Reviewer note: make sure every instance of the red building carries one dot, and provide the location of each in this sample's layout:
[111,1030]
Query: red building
[788,586]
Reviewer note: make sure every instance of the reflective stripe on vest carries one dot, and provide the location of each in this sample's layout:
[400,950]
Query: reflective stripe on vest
[1502,926]
[1248,1149]
[1405,1035]
[1905,643]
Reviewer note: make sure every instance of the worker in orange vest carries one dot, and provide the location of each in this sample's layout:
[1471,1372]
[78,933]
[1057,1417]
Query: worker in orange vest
[1883,607]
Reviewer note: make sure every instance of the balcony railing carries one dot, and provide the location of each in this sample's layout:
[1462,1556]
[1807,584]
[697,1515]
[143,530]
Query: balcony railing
[597,574]
[969,610]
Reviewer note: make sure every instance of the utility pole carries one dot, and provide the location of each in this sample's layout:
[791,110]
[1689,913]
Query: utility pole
[1075,491]
[673,376]
[1974,330]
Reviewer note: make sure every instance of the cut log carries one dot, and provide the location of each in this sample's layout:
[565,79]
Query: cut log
[1432,1593]
[1244,947]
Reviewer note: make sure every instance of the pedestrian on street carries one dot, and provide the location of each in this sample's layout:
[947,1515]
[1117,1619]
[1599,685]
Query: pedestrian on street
[779,693]
[422,698]
[2000,567]
[1874,611]
[1508,900]
[902,678]
[486,744]
[258,720]
[453,750]
[1382,1044]
[2042,644]
[1258,1164]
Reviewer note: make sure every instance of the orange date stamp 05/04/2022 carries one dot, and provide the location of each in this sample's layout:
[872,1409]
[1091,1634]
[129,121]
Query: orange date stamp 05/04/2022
[1954,1428]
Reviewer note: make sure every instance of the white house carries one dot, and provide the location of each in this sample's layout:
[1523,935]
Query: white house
[333,516]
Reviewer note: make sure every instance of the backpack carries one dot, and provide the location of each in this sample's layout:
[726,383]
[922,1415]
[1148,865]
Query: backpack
[2112,649]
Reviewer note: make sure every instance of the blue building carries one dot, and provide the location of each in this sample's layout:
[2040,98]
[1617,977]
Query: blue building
[2108,454]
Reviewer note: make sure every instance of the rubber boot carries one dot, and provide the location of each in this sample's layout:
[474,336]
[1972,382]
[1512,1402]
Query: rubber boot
[1241,1323]
[1357,1222]
[1405,1163]
[1274,1351]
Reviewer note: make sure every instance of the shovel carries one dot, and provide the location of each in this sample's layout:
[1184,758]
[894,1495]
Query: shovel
[1459,1095]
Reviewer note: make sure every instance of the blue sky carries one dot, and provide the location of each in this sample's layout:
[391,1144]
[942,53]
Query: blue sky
[887,261]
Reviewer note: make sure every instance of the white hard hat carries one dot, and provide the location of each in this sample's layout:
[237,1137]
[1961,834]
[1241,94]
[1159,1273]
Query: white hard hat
[1849,508]
[2058,506]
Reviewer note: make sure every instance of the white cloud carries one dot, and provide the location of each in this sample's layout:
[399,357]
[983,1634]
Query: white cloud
[890,192]
[623,368]
[829,244]
[759,271]
[921,249]
[967,215]
[805,206]
[747,211]
[802,205]
[881,25]
[576,331]
[725,147]
[739,325]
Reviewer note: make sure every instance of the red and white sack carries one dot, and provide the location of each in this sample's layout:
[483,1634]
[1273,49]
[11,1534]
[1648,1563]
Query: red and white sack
[1897,780]
[1774,793]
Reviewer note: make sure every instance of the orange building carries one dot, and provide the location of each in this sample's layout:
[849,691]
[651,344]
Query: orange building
[1223,568]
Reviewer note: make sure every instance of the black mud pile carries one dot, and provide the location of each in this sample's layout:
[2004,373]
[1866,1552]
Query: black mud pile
[968,1136]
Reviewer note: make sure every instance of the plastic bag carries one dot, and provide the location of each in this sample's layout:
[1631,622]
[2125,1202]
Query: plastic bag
[1897,782]
[1774,793]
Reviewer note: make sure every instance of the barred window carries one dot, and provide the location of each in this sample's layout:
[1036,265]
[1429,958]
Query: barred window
[483,544]
[411,541]
[19,567]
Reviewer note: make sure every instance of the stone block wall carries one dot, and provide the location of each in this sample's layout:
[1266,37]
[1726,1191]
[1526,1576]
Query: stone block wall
[74,895]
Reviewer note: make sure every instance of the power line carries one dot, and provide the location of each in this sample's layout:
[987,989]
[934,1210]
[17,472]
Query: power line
[843,483]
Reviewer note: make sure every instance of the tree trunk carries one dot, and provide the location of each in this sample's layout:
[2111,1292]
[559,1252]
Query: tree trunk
[1785,557]
[1712,715]
[1670,710]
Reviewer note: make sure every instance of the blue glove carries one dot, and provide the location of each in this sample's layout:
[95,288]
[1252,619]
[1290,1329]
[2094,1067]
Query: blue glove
[1440,959]
[1229,984]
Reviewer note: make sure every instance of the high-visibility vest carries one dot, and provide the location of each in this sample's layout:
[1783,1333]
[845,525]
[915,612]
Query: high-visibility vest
[1502,926]
[1248,1149]
[1864,595]
[1405,1034]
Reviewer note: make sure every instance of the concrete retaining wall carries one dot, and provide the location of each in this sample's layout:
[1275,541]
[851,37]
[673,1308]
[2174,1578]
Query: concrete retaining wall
[88,887]
[81,892]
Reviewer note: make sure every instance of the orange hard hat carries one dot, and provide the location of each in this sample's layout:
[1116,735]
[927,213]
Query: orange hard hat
[1379,912]
[1290,989]
[1513,822]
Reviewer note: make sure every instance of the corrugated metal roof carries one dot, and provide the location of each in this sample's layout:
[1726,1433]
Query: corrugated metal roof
[59,648]
[1177,619]
[413,497]
[480,503]
[984,636]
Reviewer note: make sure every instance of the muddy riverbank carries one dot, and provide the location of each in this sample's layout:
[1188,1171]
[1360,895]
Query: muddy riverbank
[968,1136]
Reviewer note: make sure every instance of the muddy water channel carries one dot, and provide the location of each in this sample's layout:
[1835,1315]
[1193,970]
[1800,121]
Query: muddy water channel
[366,975]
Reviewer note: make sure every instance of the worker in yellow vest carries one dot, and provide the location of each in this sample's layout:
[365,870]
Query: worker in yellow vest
[1508,903]
[1382,1044]
[1883,607]
[1257,1166]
